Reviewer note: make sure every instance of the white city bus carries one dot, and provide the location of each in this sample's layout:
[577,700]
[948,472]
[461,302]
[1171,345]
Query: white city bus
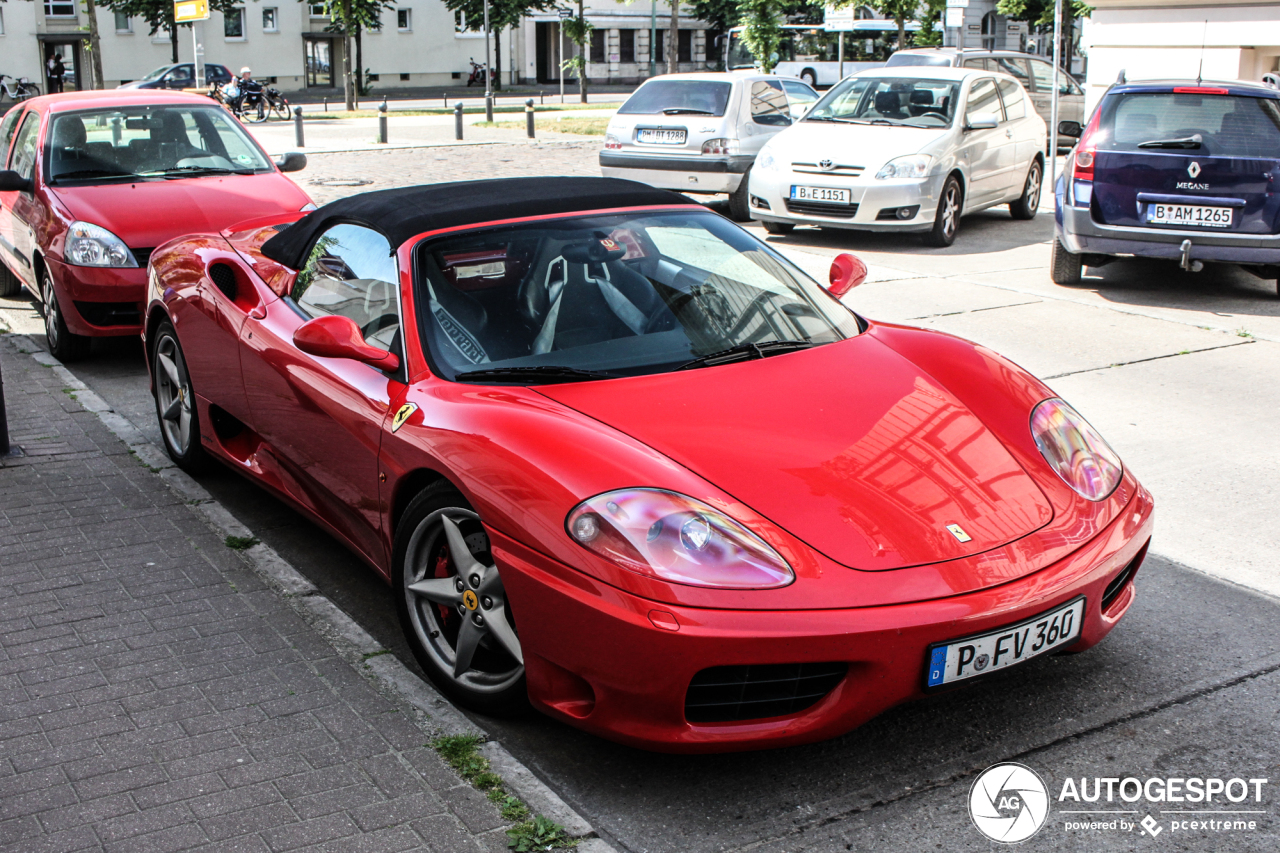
[812,53]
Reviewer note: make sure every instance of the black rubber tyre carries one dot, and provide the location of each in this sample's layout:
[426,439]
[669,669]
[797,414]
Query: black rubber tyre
[809,76]
[1025,206]
[493,680]
[778,227]
[946,222]
[739,200]
[10,284]
[1065,268]
[63,345]
[176,402]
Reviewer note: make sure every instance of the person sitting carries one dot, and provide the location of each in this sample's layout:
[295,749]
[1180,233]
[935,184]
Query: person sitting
[246,89]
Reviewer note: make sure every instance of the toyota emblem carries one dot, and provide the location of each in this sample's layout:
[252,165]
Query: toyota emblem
[827,165]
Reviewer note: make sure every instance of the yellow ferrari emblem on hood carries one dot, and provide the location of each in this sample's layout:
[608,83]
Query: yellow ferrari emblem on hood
[403,415]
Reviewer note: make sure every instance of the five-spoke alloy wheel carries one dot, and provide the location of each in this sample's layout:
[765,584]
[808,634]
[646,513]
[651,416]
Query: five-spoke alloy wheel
[453,606]
[175,401]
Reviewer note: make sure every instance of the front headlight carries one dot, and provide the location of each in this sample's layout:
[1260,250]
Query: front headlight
[1075,450]
[94,246]
[674,538]
[911,166]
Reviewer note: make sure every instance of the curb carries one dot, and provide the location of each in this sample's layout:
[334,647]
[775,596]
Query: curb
[377,146]
[432,711]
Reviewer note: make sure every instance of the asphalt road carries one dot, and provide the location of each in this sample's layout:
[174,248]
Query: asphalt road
[1177,370]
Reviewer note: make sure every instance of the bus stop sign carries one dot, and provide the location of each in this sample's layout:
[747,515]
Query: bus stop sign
[186,11]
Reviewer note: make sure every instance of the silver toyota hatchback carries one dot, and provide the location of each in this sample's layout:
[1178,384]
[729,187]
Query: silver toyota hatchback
[700,133]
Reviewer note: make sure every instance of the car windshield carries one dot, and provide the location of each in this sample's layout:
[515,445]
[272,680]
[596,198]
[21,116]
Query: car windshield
[614,295]
[1227,125]
[931,59]
[149,142]
[159,72]
[698,97]
[907,101]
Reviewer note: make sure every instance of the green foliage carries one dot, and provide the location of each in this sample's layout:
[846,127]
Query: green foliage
[577,30]
[348,16]
[159,13]
[241,543]
[1040,12]
[503,14]
[763,32]
[511,807]
[930,34]
[459,752]
[722,15]
[538,834]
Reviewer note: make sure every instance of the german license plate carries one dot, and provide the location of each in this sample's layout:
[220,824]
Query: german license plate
[824,194]
[1189,214]
[658,136]
[960,660]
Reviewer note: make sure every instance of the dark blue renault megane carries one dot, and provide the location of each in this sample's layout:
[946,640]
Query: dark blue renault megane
[1185,170]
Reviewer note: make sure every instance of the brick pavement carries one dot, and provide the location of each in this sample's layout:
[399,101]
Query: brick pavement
[403,167]
[155,695]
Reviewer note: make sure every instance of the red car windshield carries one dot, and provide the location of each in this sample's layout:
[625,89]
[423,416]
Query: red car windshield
[151,142]
[617,295]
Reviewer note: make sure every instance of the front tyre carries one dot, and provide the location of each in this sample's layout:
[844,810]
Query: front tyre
[63,344]
[739,206]
[1065,267]
[176,402]
[809,76]
[10,284]
[778,227]
[946,222]
[453,607]
[1025,206]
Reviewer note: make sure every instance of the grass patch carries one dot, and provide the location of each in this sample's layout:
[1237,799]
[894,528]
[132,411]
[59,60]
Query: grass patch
[241,543]
[368,655]
[581,125]
[530,833]
[1243,333]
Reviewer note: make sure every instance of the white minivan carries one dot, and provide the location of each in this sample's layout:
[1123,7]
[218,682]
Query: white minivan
[700,133]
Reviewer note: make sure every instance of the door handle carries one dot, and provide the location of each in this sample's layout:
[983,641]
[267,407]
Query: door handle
[1008,134]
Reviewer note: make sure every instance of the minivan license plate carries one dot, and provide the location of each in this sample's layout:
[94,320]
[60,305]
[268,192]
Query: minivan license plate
[1189,214]
[960,660]
[656,136]
[826,194]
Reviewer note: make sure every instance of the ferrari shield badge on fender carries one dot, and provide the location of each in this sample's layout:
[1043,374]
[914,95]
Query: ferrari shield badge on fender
[956,531]
[403,415]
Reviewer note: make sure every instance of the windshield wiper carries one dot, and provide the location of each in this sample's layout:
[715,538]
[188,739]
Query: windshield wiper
[836,118]
[203,170]
[539,374]
[885,121]
[1193,141]
[90,173]
[745,352]
[679,111]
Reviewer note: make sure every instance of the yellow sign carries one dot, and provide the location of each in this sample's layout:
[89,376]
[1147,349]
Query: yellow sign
[186,11]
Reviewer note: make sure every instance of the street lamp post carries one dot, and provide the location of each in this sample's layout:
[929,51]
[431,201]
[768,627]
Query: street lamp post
[1053,109]
[653,37]
[488,69]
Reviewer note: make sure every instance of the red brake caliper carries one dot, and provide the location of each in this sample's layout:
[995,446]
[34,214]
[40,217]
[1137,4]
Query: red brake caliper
[442,571]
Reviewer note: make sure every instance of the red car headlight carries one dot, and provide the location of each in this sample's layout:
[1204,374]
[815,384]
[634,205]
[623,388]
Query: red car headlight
[671,537]
[1075,450]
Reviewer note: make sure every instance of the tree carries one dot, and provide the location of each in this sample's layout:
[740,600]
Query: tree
[899,11]
[503,15]
[159,15]
[366,15]
[673,38]
[930,19]
[95,45]
[578,30]
[1039,13]
[762,33]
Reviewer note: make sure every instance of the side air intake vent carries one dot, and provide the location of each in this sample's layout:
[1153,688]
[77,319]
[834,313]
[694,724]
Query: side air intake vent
[727,693]
[225,278]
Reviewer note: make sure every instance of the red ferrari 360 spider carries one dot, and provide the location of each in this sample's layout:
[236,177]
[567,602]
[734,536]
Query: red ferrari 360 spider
[622,460]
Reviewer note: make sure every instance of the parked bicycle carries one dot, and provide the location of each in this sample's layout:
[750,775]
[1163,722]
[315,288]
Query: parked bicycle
[251,104]
[277,103]
[17,88]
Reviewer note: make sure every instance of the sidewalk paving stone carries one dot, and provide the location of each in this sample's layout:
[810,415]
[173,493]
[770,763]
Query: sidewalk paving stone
[156,695]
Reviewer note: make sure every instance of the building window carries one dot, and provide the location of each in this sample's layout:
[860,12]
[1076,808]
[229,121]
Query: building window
[375,26]
[404,20]
[1,22]
[459,21]
[404,77]
[317,10]
[124,24]
[59,9]
[598,39]
[233,23]
[270,19]
[626,45]
[685,46]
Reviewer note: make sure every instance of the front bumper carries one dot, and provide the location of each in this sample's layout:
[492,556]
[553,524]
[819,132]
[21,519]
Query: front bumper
[1080,234]
[100,301]
[685,174]
[620,666]
[869,198]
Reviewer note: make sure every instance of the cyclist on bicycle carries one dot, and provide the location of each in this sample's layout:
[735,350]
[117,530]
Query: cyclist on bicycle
[248,89]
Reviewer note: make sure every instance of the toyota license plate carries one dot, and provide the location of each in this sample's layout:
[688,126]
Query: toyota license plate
[960,660]
[657,136]
[1189,214]
[824,194]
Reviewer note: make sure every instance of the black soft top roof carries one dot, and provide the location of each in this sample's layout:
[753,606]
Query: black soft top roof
[402,213]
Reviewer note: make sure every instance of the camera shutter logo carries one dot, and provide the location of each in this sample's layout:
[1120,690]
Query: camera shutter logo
[1008,803]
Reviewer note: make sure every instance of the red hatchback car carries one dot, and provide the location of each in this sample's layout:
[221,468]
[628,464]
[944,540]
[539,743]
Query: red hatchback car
[95,180]
[620,459]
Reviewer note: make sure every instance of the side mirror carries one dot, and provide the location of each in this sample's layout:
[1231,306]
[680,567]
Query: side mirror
[294,161]
[981,121]
[11,182]
[335,336]
[847,272]
[1070,128]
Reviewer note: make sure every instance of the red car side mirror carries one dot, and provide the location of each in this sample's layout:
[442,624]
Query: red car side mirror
[847,272]
[334,336]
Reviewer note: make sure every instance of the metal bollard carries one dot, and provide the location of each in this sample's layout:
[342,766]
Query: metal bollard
[326,105]
[542,97]
[446,100]
[4,422]
[457,120]
[488,108]
[297,127]
[528,117]
[382,122]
